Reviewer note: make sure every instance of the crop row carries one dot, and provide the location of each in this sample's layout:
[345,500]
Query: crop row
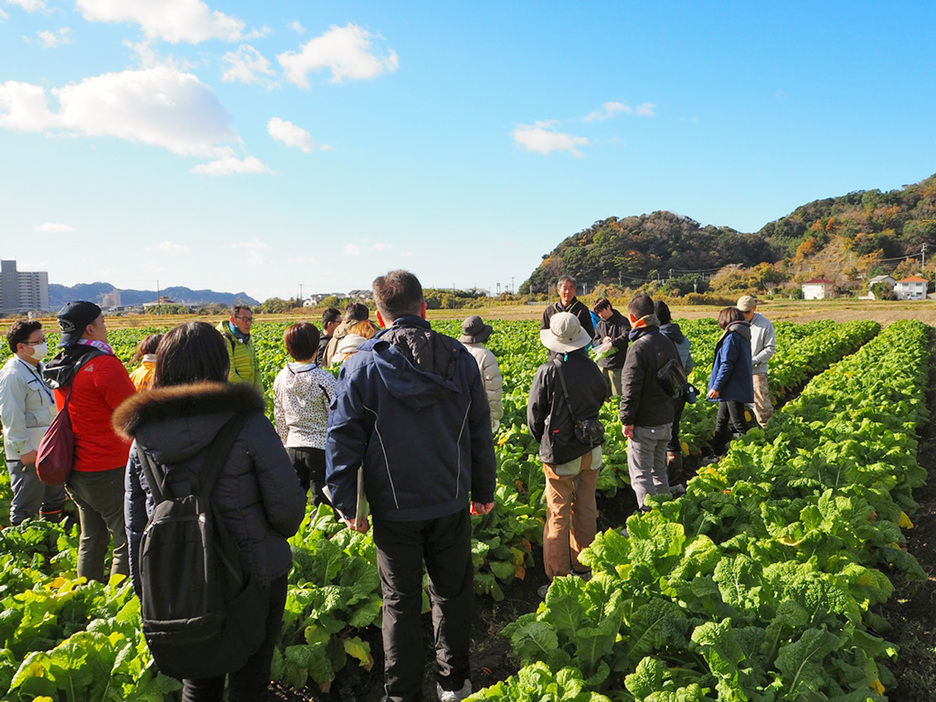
[759,583]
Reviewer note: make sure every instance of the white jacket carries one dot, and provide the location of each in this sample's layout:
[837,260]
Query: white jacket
[302,393]
[763,342]
[493,380]
[27,407]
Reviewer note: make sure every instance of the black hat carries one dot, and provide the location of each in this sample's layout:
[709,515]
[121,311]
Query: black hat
[475,331]
[73,318]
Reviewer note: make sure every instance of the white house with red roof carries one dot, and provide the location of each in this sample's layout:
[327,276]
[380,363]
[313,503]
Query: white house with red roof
[913,287]
[817,289]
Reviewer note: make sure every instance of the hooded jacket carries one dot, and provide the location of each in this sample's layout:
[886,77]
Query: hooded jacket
[257,494]
[683,346]
[644,402]
[548,415]
[731,374]
[410,406]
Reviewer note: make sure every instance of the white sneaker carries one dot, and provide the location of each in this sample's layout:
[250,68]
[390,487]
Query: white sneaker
[453,695]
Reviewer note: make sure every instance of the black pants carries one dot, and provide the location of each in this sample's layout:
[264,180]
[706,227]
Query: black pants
[250,683]
[730,421]
[309,464]
[445,546]
[673,446]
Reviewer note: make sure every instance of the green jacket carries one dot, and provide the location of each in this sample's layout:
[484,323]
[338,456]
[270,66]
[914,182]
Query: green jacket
[245,368]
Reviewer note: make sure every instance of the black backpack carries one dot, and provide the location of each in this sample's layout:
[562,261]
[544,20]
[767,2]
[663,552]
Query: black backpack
[203,613]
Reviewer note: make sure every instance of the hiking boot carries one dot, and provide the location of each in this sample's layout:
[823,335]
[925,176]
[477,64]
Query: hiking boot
[453,695]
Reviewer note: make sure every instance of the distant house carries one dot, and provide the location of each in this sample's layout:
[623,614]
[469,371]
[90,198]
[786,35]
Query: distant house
[911,288]
[817,289]
[882,279]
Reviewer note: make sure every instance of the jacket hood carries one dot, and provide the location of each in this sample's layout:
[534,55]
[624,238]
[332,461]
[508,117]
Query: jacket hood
[417,365]
[743,329]
[177,422]
[672,331]
[61,370]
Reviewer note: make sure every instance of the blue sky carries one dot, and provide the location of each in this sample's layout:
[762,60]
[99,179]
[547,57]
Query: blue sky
[263,146]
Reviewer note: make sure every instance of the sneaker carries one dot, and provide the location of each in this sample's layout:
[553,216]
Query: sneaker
[453,695]
[678,490]
[584,575]
[543,590]
[709,459]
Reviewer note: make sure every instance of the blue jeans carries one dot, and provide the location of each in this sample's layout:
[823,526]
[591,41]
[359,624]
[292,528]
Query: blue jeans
[31,498]
[99,496]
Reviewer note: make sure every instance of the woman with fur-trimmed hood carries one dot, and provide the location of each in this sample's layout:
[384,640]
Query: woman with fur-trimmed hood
[257,495]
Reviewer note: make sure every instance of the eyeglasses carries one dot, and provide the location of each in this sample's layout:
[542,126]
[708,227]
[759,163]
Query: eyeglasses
[34,343]
[249,320]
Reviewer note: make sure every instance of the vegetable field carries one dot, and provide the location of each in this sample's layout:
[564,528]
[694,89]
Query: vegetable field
[763,582]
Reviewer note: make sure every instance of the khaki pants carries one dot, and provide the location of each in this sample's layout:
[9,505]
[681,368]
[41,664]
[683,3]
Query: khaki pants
[613,378]
[763,407]
[571,517]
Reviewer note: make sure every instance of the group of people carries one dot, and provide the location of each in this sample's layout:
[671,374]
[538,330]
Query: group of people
[633,354]
[401,441]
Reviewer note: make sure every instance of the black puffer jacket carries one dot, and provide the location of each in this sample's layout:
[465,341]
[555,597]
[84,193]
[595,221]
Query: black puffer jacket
[644,402]
[257,494]
[547,412]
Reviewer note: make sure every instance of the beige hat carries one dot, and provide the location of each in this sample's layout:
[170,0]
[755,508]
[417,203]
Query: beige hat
[746,303]
[565,334]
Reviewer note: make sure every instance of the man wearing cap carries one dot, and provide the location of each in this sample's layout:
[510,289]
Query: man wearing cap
[647,410]
[763,346]
[567,389]
[568,302]
[245,367]
[95,383]
[27,407]
[474,333]
[410,412]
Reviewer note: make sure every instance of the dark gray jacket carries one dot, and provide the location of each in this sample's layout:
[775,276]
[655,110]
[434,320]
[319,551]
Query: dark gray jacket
[617,327]
[644,402]
[257,494]
[576,307]
[547,413]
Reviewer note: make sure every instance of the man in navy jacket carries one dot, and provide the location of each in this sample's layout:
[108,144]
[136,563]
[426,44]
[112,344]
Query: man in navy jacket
[410,407]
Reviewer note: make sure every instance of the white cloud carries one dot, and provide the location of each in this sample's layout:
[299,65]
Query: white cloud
[52,40]
[174,21]
[297,27]
[54,228]
[303,260]
[159,106]
[383,247]
[247,65]
[347,51]
[255,244]
[29,5]
[352,250]
[3,15]
[541,139]
[231,165]
[167,247]
[610,109]
[291,135]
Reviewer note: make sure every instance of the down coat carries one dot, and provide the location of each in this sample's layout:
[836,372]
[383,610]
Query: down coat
[257,494]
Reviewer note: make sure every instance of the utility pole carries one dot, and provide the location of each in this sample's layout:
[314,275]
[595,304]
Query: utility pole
[300,293]
[513,290]
[157,298]
[923,255]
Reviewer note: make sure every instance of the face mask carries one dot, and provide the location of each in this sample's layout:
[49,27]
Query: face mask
[39,351]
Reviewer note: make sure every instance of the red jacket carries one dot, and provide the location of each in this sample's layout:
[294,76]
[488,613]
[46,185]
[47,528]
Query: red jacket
[98,389]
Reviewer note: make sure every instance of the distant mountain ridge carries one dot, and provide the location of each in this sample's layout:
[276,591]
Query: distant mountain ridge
[60,295]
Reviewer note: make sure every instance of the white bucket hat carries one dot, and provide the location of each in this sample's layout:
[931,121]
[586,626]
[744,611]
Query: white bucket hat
[565,334]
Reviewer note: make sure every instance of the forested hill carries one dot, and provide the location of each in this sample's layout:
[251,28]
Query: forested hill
[633,249]
[848,234]
[894,223]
